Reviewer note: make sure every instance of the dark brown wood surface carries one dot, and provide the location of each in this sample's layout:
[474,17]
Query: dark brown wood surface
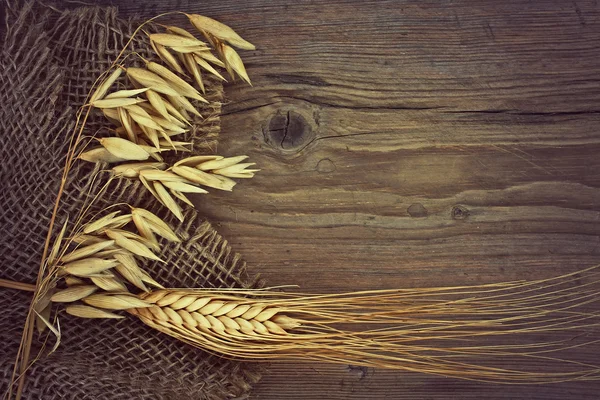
[406,144]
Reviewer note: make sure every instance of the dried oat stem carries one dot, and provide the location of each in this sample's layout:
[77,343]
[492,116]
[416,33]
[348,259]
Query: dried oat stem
[23,353]
[17,285]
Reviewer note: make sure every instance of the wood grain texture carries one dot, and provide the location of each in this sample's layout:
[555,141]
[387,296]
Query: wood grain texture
[405,144]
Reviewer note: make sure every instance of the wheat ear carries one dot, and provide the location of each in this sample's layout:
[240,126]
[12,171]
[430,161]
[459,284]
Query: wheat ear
[443,331]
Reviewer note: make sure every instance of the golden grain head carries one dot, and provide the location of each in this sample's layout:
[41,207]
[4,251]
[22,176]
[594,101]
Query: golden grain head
[81,311]
[151,80]
[100,223]
[157,225]
[219,30]
[100,154]
[105,85]
[201,62]
[175,81]
[171,40]
[73,293]
[202,178]
[125,93]
[132,245]
[132,170]
[187,311]
[124,149]
[86,251]
[168,200]
[234,61]
[116,102]
[115,301]
[109,284]
[90,266]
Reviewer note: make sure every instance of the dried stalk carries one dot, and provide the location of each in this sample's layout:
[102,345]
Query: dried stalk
[442,331]
[47,273]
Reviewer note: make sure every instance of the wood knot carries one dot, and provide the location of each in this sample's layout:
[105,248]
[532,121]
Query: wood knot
[288,131]
[417,210]
[325,166]
[460,212]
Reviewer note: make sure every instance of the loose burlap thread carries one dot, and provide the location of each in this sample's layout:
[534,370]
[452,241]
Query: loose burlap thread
[49,60]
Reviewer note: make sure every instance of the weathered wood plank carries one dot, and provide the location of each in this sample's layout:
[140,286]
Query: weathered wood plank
[405,144]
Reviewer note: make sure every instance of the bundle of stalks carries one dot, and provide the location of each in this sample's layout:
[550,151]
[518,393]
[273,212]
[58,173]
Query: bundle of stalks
[188,175]
[146,125]
[150,107]
[97,268]
[450,331]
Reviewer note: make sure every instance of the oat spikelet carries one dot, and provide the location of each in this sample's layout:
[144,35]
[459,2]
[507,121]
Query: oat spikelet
[171,40]
[87,251]
[132,170]
[219,30]
[235,63]
[106,251]
[82,311]
[109,284]
[164,196]
[151,80]
[89,266]
[116,102]
[126,93]
[73,293]
[100,154]
[156,224]
[134,246]
[166,56]
[115,301]
[125,149]
[205,65]
[102,89]
[187,176]
[175,81]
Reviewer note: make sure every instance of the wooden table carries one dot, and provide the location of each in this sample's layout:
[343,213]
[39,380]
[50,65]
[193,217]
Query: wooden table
[406,144]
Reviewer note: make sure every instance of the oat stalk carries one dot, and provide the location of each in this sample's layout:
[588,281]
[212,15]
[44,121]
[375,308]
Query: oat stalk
[46,280]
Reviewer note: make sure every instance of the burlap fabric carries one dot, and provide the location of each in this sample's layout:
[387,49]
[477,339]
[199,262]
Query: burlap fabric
[49,59]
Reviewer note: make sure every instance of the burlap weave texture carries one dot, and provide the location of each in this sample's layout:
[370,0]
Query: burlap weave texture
[49,60]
